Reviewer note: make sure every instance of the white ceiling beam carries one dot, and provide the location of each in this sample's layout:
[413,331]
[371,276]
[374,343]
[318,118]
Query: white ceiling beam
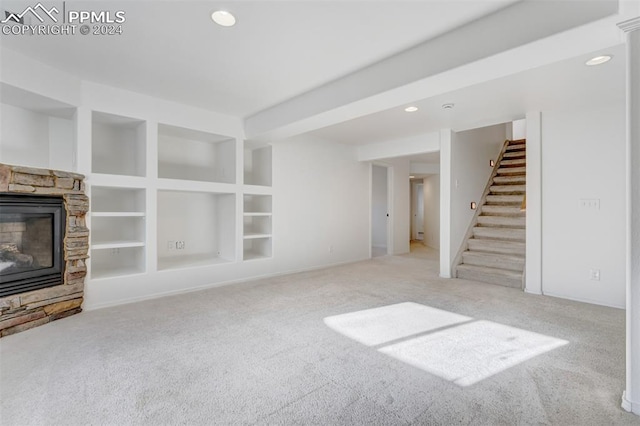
[484,49]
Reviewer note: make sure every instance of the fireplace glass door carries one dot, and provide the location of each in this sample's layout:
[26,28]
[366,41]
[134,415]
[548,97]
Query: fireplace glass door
[31,239]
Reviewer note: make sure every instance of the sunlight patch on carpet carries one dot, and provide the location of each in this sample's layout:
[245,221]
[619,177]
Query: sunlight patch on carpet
[375,326]
[469,353]
[451,346]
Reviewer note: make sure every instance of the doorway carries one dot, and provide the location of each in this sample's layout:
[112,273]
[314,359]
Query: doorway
[417,210]
[380,195]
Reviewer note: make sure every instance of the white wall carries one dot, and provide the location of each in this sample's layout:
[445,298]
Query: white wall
[470,154]
[431,197]
[379,206]
[24,137]
[583,157]
[320,205]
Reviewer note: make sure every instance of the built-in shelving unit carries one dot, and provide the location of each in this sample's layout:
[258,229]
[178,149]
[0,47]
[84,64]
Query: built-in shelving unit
[257,164]
[194,155]
[36,131]
[195,228]
[257,230]
[118,145]
[117,231]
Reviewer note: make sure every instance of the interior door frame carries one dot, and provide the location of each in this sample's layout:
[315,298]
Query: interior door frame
[390,209]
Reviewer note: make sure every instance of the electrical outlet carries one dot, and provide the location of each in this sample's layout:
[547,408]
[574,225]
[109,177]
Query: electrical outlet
[171,244]
[594,274]
[590,204]
[179,245]
[115,251]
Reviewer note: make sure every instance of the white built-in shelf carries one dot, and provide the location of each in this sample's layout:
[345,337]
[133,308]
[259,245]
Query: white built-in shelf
[118,214]
[254,236]
[195,186]
[189,261]
[118,221]
[36,131]
[117,262]
[257,231]
[195,155]
[116,271]
[257,248]
[108,200]
[257,164]
[118,145]
[251,255]
[195,228]
[117,245]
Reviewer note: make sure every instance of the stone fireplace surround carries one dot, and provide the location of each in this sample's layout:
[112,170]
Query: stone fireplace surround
[23,311]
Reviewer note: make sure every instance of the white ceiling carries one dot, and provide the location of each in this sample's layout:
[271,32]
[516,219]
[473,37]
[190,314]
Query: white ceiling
[561,85]
[277,50]
[283,56]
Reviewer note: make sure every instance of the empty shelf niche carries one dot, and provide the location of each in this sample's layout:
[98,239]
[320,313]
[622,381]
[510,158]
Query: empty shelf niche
[36,131]
[118,145]
[109,232]
[115,262]
[257,226]
[258,205]
[107,201]
[257,165]
[257,248]
[194,155]
[195,229]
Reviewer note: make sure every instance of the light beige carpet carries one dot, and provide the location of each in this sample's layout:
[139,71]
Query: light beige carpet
[286,351]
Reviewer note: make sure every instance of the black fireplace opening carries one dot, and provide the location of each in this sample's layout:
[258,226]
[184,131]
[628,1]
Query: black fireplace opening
[31,242]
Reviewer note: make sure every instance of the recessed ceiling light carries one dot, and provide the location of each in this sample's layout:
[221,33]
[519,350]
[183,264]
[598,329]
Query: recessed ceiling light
[224,18]
[448,106]
[411,109]
[598,60]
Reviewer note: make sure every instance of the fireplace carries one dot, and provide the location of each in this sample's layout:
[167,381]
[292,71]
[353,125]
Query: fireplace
[31,237]
[44,244]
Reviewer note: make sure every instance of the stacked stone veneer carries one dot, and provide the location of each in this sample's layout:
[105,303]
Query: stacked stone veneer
[20,312]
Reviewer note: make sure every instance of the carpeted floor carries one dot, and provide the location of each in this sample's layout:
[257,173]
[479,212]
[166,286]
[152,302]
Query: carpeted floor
[276,351]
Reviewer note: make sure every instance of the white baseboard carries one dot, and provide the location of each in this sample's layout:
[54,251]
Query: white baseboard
[214,285]
[578,299]
[631,407]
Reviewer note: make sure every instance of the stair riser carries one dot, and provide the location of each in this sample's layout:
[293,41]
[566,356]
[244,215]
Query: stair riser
[517,162]
[510,155]
[510,180]
[512,170]
[507,189]
[496,246]
[493,210]
[491,279]
[499,233]
[505,199]
[502,221]
[469,258]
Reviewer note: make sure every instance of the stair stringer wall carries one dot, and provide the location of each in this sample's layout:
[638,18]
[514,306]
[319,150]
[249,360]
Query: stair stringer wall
[457,260]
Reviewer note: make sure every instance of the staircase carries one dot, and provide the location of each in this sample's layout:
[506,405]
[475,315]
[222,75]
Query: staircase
[494,251]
